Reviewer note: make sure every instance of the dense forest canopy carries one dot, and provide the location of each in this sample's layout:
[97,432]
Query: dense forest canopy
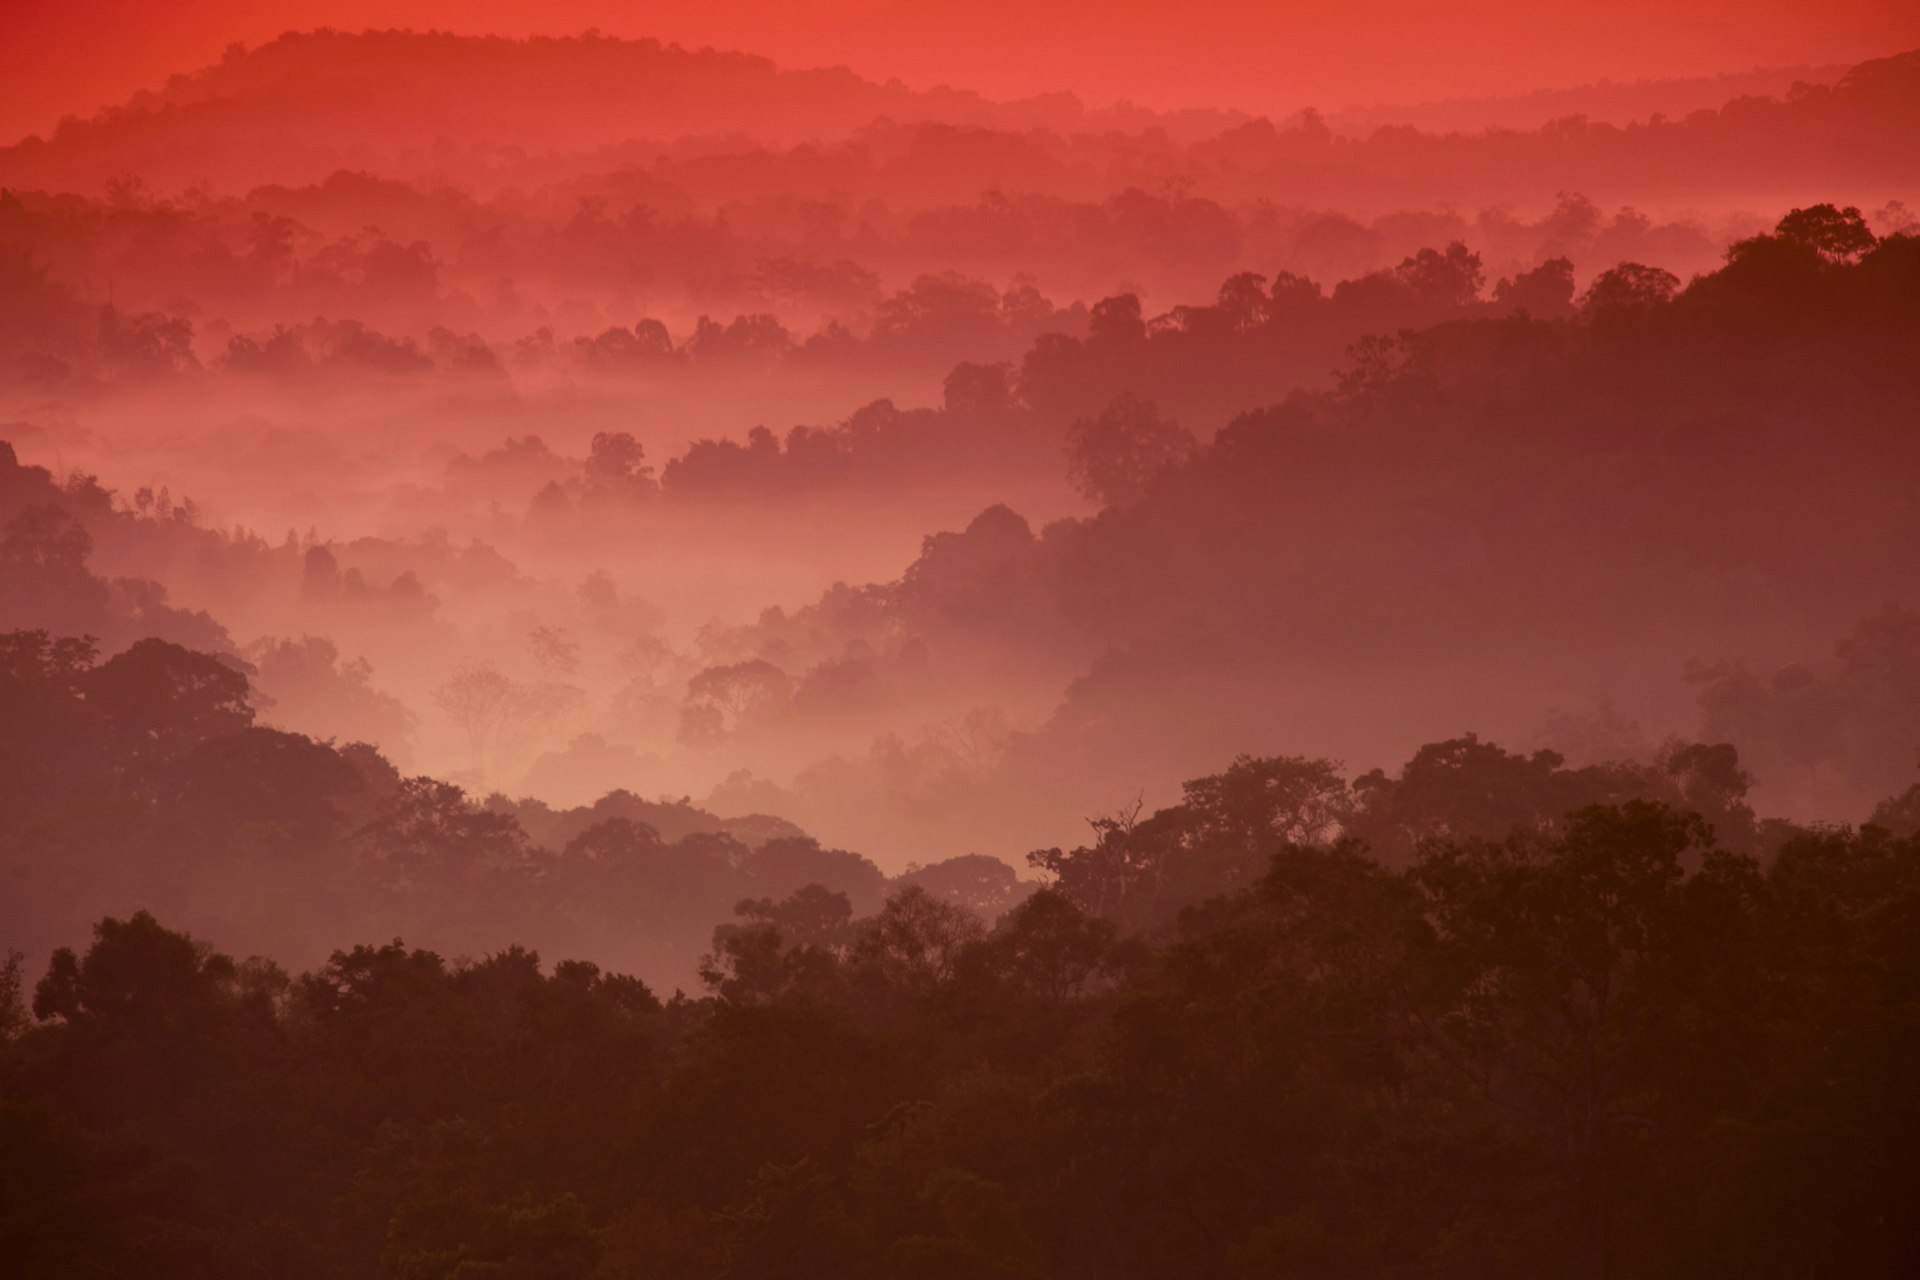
[625,660]
[1530,1039]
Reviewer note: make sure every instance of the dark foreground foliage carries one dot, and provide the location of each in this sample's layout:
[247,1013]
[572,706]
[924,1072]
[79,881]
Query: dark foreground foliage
[1603,1046]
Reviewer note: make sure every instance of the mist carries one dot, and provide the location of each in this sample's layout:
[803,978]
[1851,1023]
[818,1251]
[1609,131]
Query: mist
[641,569]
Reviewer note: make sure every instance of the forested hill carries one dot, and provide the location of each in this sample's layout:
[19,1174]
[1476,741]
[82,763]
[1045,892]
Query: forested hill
[401,104]
[412,98]
[1612,1043]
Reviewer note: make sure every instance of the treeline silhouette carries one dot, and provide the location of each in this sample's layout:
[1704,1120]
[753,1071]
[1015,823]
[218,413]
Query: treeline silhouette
[1821,279]
[47,539]
[404,280]
[401,318]
[552,112]
[314,98]
[146,775]
[283,252]
[1487,470]
[144,778]
[1259,342]
[1660,471]
[1623,1039]
[78,559]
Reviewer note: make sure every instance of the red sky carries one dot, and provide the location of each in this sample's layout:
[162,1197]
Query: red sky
[60,57]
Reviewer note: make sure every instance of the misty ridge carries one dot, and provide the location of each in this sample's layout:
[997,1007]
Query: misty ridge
[268,190]
[1358,536]
[782,675]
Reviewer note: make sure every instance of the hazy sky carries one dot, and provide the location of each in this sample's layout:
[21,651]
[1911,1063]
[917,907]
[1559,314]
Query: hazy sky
[61,57]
